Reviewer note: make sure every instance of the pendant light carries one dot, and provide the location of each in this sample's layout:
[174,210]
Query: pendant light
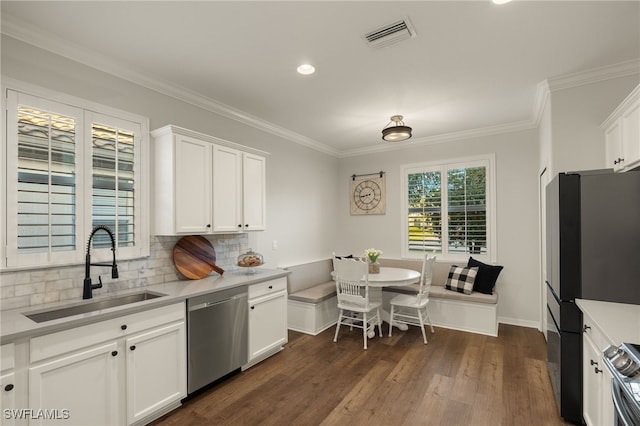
[396,131]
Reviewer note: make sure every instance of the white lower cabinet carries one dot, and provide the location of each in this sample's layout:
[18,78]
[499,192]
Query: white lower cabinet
[596,380]
[80,388]
[155,373]
[267,319]
[592,387]
[127,370]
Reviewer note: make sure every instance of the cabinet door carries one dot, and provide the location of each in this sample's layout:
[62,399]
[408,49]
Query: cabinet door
[631,134]
[591,382]
[83,386]
[192,186]
[254,189]
[267,323]
[607,412]
[156,370]
[8,398]
[613,144]
[227,189]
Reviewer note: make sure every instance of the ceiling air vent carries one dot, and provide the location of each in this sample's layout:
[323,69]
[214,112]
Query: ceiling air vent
[391,34]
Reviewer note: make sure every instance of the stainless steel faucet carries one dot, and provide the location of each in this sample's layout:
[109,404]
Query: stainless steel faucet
[88,286]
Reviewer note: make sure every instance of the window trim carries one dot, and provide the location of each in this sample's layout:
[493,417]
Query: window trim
[11,260]
[485,159]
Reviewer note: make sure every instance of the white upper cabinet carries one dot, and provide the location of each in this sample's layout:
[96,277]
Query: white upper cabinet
[622,134]
[206,185]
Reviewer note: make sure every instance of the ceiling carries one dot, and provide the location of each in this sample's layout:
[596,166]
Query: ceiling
[473,67]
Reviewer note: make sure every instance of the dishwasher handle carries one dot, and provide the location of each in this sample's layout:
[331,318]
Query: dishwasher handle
[210,304]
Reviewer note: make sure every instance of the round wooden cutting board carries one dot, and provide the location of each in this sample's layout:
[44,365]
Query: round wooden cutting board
[194,257]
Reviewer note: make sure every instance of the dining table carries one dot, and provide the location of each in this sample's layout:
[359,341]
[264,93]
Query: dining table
[390,277]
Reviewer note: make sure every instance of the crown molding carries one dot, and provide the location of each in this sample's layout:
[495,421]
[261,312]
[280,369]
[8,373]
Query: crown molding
[22,31]
[442,138]
[540,102]
[594,75]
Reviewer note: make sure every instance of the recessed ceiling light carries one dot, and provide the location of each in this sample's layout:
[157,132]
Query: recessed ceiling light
[306,69]
[500,1]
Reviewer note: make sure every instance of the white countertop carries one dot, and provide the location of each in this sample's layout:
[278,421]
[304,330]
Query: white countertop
[620,322]
[15,326]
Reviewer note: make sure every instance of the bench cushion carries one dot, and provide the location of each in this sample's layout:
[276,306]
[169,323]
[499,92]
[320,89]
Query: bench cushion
[438,292]
[315,294]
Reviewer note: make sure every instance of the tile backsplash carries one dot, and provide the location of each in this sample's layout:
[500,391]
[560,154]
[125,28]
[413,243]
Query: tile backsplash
[33,287]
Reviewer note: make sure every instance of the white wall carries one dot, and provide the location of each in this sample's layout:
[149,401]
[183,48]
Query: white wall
[300,182]
[517,212]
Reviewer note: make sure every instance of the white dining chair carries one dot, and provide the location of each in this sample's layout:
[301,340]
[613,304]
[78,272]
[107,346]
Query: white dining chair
[356,310]
[412,309]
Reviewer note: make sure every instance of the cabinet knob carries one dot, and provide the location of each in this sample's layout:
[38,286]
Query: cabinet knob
[9,387]
[270,287]
[246,225]
[132,347]
[239,225]
[585,328]
[252,307]
[123,327]
[208,225]
[114,353]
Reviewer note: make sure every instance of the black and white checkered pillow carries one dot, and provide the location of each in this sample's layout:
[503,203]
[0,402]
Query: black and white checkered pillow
[461,279]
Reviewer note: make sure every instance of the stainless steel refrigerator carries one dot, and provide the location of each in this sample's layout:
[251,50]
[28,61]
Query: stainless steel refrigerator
[593,252]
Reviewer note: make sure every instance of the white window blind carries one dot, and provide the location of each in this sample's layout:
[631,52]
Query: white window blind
[113,184]
[68,170]
[449,208]
[46,181]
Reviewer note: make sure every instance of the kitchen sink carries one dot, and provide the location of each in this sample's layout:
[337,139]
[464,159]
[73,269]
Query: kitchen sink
[43,316]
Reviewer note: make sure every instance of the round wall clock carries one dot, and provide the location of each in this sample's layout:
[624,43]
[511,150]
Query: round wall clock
[368,196]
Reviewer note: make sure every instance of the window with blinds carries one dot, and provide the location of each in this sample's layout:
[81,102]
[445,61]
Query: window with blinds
[448,206]
[70,169]
[113,184]
[46,176]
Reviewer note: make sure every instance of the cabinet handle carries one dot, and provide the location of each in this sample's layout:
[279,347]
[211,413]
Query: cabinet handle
[132,347]
[9,387]
[585,328]
[620,160]
[239,225]
[114,353]
[593,362]
[246,225]
[209,225]
[270,287]
[252,307]
[597,370]
[123,327]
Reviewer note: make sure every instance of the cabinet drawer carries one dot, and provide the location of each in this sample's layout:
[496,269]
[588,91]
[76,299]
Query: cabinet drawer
[267,287]
[53,344]
[7,357]
[595,334]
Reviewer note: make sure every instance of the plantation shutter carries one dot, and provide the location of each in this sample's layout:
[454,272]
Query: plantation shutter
[425,211]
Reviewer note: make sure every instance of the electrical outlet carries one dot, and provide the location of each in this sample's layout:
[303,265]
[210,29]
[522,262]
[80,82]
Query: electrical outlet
[274,245]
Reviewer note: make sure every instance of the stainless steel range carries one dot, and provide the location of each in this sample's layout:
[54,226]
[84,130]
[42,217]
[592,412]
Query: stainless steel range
[624,364]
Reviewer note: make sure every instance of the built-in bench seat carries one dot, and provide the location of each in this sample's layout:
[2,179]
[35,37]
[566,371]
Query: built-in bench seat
[475,312]
[313,304]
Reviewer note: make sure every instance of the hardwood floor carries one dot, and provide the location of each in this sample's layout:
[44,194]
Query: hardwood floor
[457,379]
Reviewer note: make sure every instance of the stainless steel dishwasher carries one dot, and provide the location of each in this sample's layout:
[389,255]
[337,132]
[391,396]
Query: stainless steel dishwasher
[217,336]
